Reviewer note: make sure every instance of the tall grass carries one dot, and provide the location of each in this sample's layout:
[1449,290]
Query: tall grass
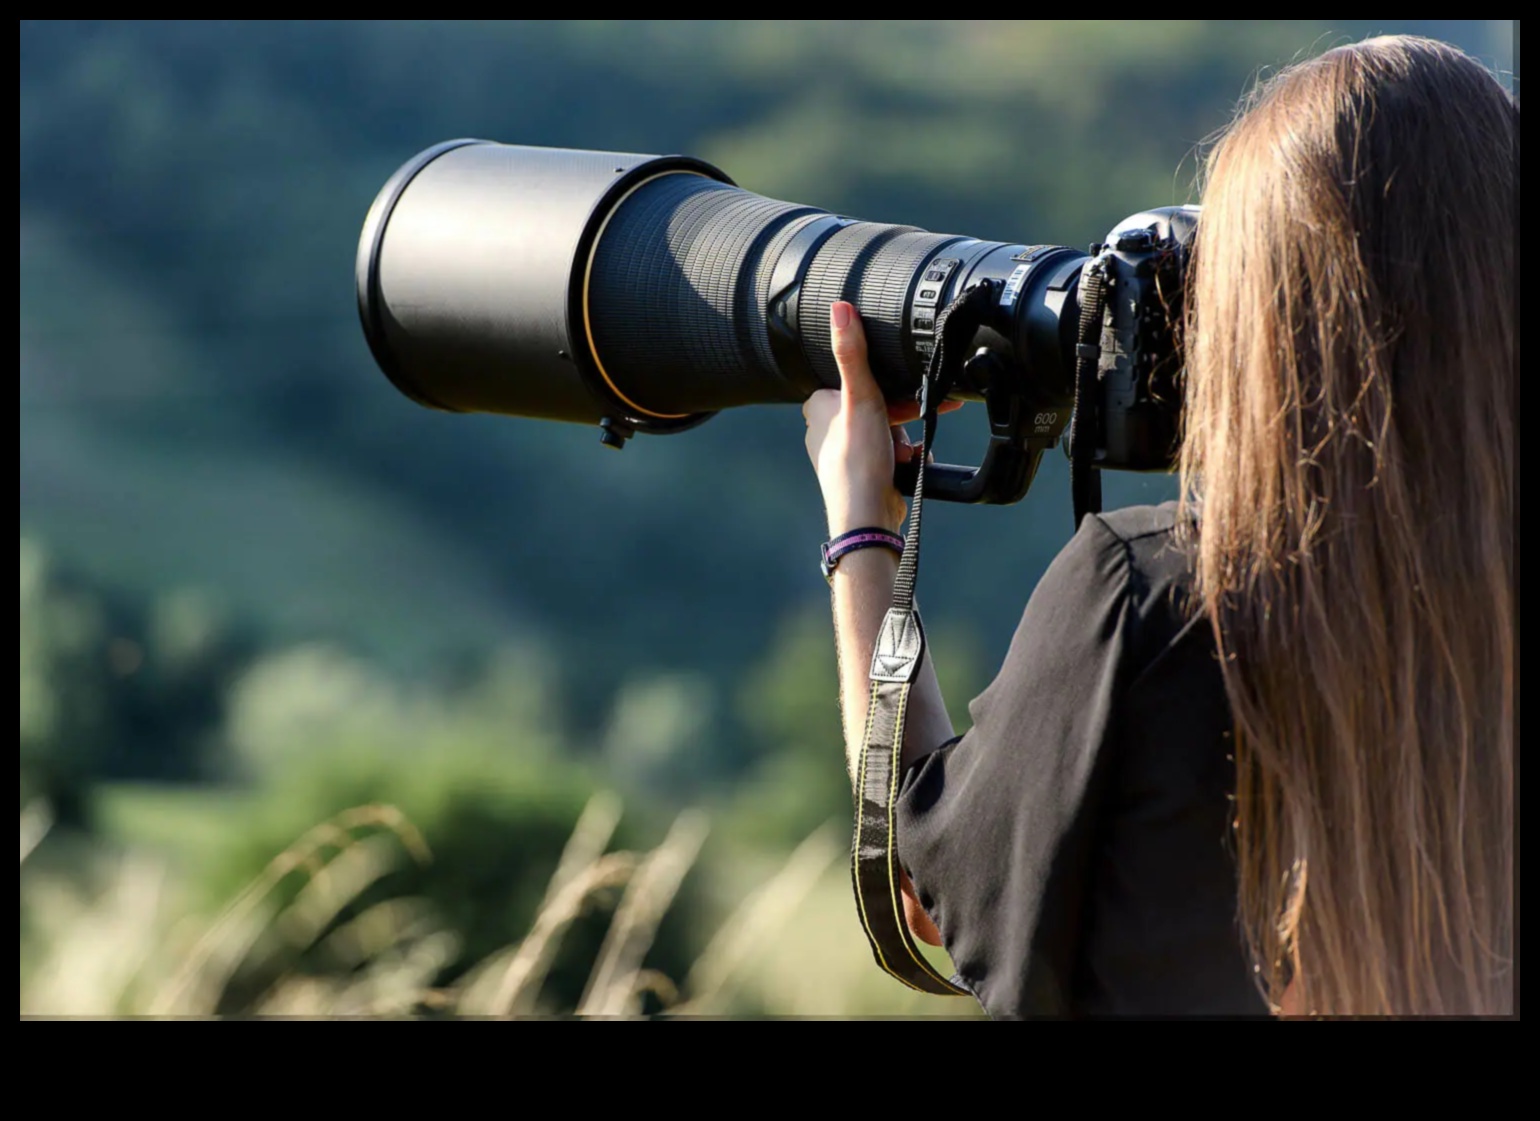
[113,952]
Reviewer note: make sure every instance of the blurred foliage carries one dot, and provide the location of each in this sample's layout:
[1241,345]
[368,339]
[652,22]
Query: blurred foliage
[116,689]
[486,773]
[273,591]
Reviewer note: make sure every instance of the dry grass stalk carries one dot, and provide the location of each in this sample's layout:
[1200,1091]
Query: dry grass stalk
[590,837]
[394,984]
[508,983]
[347,876]
[36,821]
[513,989]
[386,924]
[658,984]
[197,985]
[613,988]
[757,919]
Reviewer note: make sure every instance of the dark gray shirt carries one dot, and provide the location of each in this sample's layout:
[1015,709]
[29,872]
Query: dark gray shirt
[1073,847]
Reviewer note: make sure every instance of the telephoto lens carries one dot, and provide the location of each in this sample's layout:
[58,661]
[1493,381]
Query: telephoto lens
[645,293]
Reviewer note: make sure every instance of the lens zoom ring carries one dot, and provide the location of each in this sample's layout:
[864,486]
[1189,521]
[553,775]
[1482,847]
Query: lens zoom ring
[884,292]
[873,267]
[834,276]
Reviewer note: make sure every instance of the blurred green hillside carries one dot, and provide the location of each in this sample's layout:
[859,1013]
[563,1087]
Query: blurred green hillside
[197,405]
[259,586]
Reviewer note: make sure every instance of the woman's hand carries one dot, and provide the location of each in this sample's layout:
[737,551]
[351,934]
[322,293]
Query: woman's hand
[854,438]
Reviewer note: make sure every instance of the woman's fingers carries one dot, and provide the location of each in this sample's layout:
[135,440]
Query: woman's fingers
[905,411]
[825,403]
[857,386]
[821,407]
[904,451]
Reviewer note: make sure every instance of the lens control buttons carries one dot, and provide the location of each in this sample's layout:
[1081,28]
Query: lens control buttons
[928,298]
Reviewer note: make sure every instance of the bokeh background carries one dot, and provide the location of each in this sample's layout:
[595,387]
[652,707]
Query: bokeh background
[331,704]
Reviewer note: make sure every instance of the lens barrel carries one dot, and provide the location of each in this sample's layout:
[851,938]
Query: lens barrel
[649,292]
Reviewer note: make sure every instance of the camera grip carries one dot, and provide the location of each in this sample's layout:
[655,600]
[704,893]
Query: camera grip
[949,482]
[1002,478]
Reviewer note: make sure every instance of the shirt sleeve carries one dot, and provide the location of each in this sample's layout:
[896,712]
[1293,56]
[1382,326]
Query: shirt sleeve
[996,829]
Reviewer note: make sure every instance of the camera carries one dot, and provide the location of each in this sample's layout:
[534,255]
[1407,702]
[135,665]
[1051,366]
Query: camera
[643,294]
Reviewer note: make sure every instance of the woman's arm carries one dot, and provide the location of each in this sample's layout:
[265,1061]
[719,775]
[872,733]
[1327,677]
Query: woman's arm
[854,443]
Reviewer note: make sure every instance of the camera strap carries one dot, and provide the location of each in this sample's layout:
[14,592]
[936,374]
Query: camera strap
[896,661]
[1085,481]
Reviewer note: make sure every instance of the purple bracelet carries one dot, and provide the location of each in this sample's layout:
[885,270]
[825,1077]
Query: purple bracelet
[831,551]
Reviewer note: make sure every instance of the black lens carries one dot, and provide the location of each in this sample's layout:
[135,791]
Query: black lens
[653,292]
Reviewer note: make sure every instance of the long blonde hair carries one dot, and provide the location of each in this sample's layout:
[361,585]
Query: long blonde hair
[1351,453]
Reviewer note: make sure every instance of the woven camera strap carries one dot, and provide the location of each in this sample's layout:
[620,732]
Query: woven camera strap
[1085,481]
[896,661]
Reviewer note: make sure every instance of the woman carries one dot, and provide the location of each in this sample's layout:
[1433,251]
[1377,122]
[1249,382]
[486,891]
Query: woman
[1254,752]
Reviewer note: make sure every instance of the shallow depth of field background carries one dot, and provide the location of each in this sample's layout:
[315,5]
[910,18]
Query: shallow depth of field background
[332,704]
